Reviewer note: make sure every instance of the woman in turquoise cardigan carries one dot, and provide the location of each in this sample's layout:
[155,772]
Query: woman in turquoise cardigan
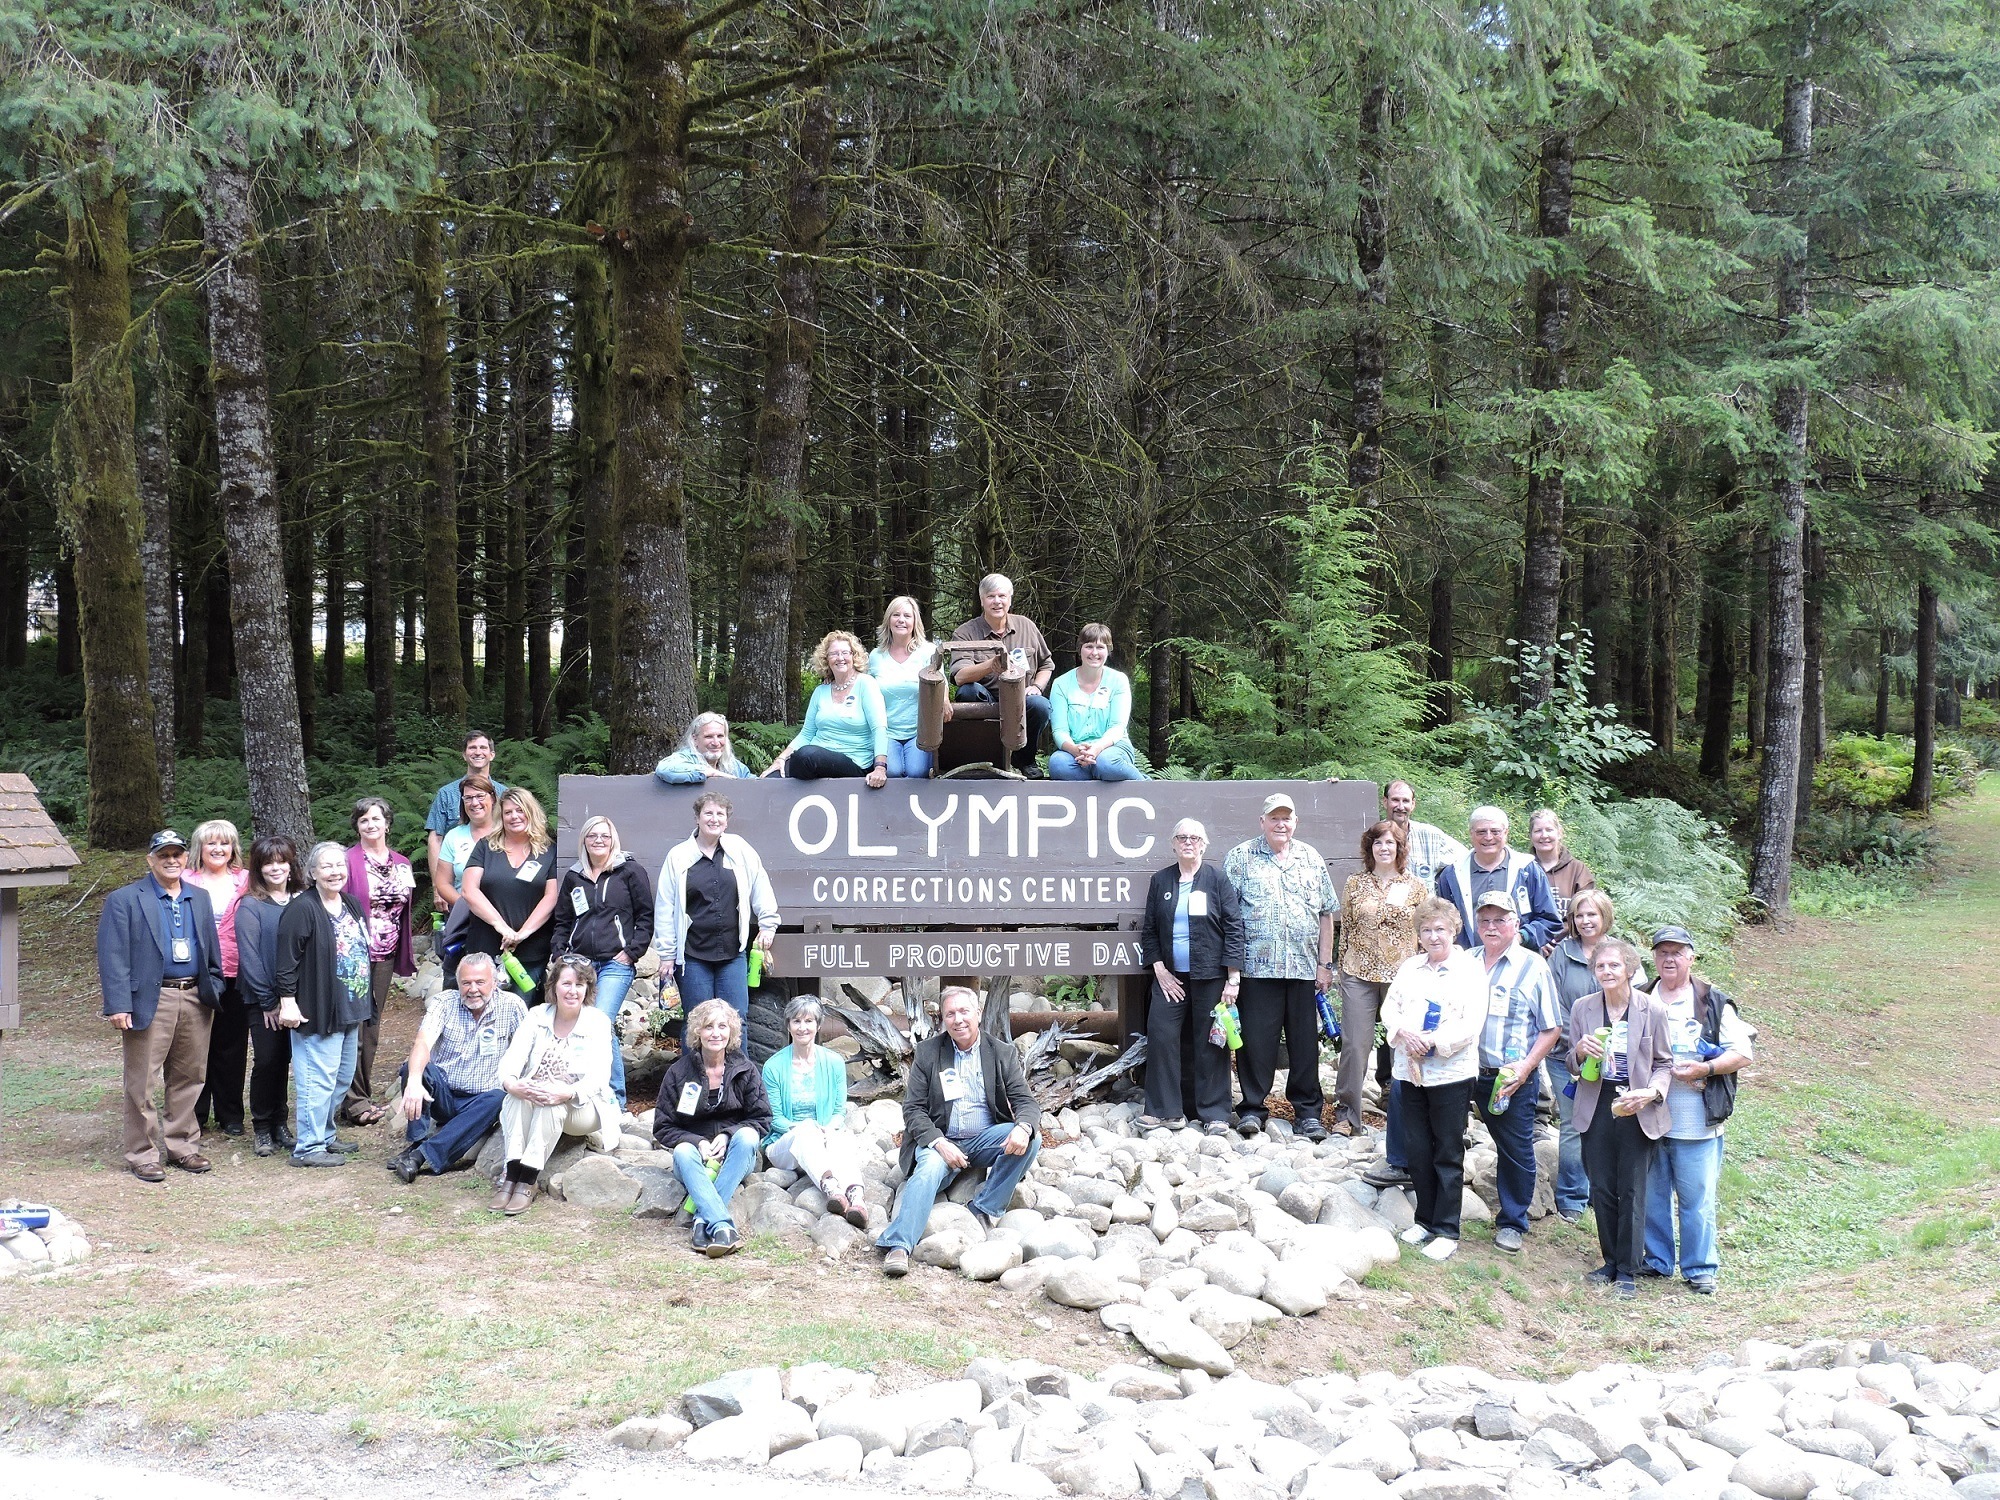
[807,1085]
[846,731]
[1089,709]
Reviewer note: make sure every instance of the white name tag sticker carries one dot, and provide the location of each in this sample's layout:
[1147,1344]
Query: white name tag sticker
[952,1085]
[530,870]
[182,951]
[579,901]
[1197,903]
[489,1042]
[1497,1002]
[1521,904]
[690,1097]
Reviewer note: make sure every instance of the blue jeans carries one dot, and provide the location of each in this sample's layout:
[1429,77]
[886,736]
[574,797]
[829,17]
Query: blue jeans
[1394,1152]
[1572,1180]
[1514,1138]
[613,980]
[701,980]
[906,758]
[1687,1172]
[1039,712]
[711,1198]
[930,1176]
[452,1124]
[1114,763]
[322,1068]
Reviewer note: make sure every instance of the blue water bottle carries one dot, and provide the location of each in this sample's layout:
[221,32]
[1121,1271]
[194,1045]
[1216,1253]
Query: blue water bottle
[1329,1022]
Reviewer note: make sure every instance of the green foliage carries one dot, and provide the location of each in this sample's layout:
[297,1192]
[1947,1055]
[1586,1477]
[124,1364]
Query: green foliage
[1838,891]
[1555,747]
[1663,863]
[1865,840]
[1862,774]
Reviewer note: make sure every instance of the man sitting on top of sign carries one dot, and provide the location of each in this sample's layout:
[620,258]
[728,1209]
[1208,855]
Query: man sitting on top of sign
[1020,642]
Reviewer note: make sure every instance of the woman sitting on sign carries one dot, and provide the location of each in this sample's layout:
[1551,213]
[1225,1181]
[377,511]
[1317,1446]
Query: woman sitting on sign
[807,1086]
[710,887]
[712,1113]
[705,751]
[1089,708]
[895,664]
[846,731]
[1191,937]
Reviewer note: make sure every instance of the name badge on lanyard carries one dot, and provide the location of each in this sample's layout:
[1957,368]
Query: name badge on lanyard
[1197,903]
[1499,1000]
[952,1086]
[183,951]
[690,1097]
[579,901]
[529,871]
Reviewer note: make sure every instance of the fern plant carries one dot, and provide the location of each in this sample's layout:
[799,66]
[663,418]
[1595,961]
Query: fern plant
[1555,747]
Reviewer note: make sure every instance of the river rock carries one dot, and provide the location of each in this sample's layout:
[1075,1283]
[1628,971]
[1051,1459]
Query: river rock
[733,1394]
[834,1458]
[1085,1284]
[1175,1341]
[873,1423]
[1874,1421]
[990,1259]
[1379,1449]
[1835,1442]
[1295,1289]
[1774,1470]
[1015,1481]
[1232,1270]
[1058,1238]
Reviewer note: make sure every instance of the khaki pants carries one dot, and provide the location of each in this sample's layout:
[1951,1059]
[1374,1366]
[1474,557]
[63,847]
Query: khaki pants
[1360,1007]
[819,1152]
[174,1046]
[531,1132]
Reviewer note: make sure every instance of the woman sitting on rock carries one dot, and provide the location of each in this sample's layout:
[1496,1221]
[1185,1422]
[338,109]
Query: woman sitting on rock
[807,1087]
[557,1078]
[712,1113]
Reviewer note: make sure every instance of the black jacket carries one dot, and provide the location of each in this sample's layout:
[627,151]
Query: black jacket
[257,950]
[305,968]
[743,1100]
[620,914]
[926,1111]
[1718,1094]
[1215,939]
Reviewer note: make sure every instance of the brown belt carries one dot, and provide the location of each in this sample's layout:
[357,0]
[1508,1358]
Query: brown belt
[188,985]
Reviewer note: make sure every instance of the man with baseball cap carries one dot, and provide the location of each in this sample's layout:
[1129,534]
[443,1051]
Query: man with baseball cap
[1710,1043]
[1288,905]
[1523,1024]
[160,967]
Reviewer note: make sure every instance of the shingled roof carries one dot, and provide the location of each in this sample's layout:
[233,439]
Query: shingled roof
[30,842]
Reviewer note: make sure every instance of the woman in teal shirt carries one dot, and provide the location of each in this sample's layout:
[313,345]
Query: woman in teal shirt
[1089,709]
[846,731]
[807,1085]
[895,664]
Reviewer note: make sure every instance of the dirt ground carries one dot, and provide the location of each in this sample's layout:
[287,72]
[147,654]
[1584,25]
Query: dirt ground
[247,1323]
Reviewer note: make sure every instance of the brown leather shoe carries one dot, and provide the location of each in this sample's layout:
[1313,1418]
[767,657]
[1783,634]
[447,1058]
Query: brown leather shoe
[150,1171]
[194,1161]
[520,1198]
[502,1196]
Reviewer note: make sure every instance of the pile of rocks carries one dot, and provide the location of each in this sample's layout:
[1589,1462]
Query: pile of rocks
[28,1251]
[1828,1420]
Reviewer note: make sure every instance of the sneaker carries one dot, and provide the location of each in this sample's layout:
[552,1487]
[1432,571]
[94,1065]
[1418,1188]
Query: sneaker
[896,1263]
[408,1164]
[1416,1234]
[318,1159]
[1149,1122]
[1626,1290]
[722,1241]
[1702,1287]
[1507,1238]
[1386,1176]
[1215,1127]
[1440,1249]
[1248,1125]
[1312,1130]
[986,1220]
[1174,1122]
[1602,1276]
[857,1209]
[1570,1215]
[233,1128]
[345,1148]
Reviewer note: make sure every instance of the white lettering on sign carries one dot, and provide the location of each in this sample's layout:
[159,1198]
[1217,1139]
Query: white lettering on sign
[931,823]
[1118,845]
[809,804]
[979,809]
[854,845]
[1042,813]
[1102,954]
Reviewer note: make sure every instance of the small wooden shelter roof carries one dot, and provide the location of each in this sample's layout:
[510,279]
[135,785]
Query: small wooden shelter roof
[32,849]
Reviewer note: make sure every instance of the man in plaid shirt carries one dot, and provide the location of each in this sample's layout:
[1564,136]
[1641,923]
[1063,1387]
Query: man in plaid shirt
[451,1084]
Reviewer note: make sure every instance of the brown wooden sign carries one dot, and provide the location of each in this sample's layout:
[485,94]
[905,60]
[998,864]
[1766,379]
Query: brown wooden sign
[958,854]
[1032,950]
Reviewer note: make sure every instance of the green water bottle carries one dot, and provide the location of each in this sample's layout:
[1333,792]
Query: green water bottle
[523,985]
[756,974]
[1593,1067]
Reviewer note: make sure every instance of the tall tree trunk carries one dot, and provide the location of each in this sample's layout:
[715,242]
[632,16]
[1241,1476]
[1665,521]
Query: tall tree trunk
[537,394]
[760,671]
[1635,678]
[1884,644]
[1778,789]
[273,743]
[516,714]
[444,662]
[69,635]
[1719,718]
[156,555]
[1371,310]
[1541,572]
[336,600]
[1924,700]
[1666,675]
[1812,708]
[221,656]
[593,436]
[1597,612]
[1757,664]
[573,671]
[382,625]
[200,543]
[653,696]
[1440,659]
[104,517]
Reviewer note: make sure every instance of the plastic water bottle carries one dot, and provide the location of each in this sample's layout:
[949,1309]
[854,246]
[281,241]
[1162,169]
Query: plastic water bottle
[1329,1022]
[1226,1031]
[523,984]
[755,975]
[1593,1067]
[1498,1103]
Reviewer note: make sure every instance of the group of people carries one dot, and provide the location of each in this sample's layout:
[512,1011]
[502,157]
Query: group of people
[861,720]
[1483,966]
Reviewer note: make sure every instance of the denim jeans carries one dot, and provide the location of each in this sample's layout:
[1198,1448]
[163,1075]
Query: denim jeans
[1685,1172]
[930,1176]
[613,980]
[1514,1138]
[452,1124]
[907,759]
[711,1198]
[701,980]
[1572,1179]
[322,1068]
[1114,763]
[1038,714]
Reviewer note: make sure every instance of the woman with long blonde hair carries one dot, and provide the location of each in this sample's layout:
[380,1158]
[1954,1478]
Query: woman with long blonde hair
[895,663]
[510,887]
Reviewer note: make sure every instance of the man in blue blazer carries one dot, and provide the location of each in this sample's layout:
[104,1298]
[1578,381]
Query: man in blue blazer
[161,971]
[1490,865]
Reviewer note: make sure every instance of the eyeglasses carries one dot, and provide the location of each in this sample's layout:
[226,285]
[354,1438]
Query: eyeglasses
[1187,838]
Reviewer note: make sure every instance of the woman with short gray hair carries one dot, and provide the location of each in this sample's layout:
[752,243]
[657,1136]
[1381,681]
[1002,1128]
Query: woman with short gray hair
[323,998]
[807,1086]
[1191,937]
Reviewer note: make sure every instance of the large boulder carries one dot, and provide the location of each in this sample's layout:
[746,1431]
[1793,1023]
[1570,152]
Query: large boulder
[733,1394]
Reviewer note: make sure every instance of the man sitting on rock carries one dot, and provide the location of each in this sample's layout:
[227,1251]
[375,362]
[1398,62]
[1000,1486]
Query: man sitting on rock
[451,1084]
[967,1105]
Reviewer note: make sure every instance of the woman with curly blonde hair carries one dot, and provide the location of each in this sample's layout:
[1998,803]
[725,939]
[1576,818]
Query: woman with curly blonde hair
[712,1115]
[846,731]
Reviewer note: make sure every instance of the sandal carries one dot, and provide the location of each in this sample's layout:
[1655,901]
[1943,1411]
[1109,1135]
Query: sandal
[366,1115]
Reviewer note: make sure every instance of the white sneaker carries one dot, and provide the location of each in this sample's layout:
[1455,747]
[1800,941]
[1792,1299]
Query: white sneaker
[1441,1249]
[1416,1234]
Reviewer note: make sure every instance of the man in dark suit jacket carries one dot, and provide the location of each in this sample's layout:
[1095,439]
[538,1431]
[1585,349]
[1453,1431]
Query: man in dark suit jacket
[967,1105]
[160,967]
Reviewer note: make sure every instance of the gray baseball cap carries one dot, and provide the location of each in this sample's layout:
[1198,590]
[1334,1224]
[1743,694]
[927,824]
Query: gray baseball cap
[1671,934]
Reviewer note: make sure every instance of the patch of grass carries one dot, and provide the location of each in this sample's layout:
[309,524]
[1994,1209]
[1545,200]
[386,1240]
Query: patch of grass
[1837,891]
